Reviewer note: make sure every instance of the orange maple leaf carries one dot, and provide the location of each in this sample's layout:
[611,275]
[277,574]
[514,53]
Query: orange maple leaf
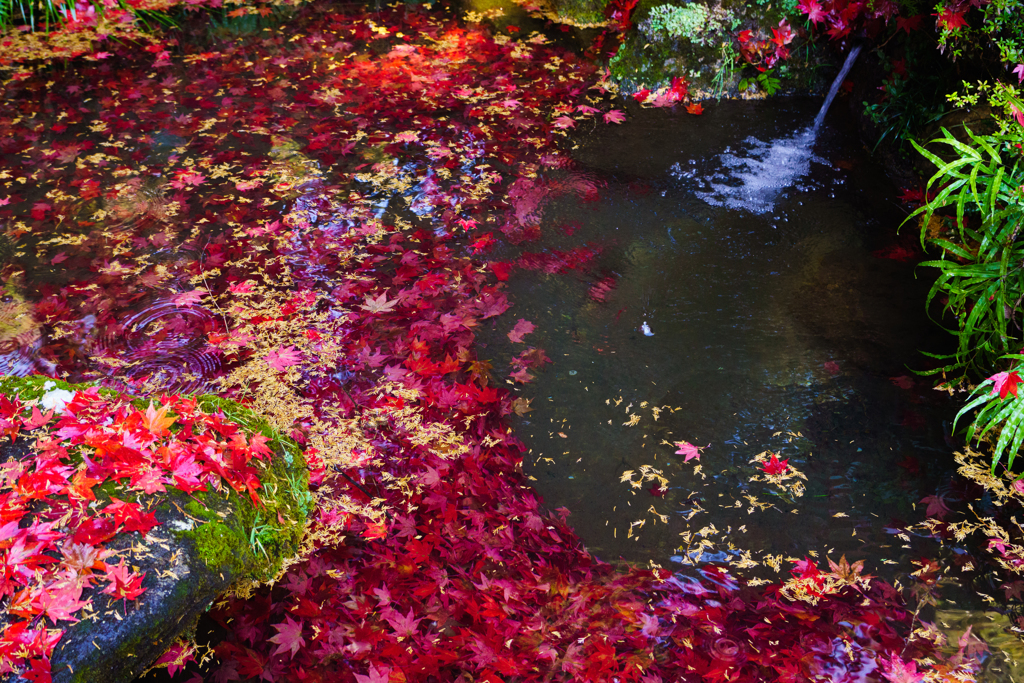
[157,421]
[81,486]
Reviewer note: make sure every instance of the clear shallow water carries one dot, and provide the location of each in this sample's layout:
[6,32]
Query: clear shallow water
[737,288]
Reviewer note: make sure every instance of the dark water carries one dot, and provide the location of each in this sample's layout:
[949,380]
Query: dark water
[741,287]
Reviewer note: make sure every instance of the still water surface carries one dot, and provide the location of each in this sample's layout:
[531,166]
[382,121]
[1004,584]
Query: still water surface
[741,288]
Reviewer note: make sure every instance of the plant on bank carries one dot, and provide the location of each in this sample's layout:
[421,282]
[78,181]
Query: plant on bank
[974,213]
[45,30]
[981,281]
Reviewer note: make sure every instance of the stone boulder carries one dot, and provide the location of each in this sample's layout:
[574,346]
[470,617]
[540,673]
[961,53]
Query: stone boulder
[204,544]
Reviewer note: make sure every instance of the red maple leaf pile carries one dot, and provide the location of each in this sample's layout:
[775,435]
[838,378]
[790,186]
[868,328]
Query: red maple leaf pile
[334,192]
[52,524]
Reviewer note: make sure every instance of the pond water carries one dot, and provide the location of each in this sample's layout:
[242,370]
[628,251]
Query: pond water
[744,285]
[732,280]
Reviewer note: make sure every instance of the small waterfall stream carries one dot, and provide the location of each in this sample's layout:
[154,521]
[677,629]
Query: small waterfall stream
[847,65]
[753,178]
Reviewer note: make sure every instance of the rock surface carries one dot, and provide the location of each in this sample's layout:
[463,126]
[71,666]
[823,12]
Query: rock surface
[206,543]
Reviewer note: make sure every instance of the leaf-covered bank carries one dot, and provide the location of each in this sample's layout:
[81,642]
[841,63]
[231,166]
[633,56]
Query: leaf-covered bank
[303,220]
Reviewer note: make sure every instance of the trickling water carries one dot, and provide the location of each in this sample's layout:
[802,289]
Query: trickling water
[755,177]
[847,65]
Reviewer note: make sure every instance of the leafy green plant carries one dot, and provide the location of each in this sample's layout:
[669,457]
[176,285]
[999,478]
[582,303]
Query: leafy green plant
[765,81]
[726,70]
[981,269]
[901,110]
[1001,411]
[694,22]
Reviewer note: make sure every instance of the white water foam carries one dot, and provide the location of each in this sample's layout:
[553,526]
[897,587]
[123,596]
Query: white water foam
[754,179]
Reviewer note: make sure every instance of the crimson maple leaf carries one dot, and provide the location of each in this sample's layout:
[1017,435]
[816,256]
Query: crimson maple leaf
[783,35]
[522,328]
[936,507]
[38,419]
[289,636]
[775,466]
[1004,383]
[909,24]
[283,357]
[949,19]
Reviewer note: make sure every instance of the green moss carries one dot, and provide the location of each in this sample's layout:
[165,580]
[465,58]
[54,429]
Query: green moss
[580,11]
[251,541]
[232,533]
[219,546]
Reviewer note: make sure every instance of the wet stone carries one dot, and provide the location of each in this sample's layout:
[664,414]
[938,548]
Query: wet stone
[206,543]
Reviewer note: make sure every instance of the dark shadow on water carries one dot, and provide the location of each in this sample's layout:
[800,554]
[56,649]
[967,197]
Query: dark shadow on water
[745,288]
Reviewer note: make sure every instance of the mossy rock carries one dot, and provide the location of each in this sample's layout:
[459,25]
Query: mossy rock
[695,41]
[579,12]
[207,544]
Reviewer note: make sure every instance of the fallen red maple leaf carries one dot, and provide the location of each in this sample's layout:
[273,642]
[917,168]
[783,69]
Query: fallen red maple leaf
[289,636]
[775,466]
[521,329]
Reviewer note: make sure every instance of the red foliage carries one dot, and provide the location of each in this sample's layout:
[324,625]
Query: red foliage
[466,573]
[53,535]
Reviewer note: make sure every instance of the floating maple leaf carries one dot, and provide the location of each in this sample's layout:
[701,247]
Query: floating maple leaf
[188,298]
[521,406]
[614,116]
[522,328]
[283,357]
[896,670]
[775,466]
[522,375]
[379,304]
[689,450]
[564,122]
